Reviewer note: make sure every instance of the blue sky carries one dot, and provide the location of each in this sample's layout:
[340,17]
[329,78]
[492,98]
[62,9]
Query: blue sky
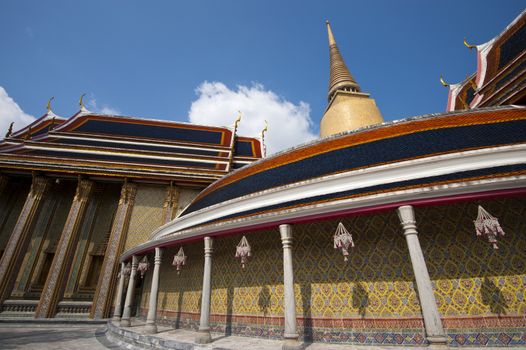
[148,58]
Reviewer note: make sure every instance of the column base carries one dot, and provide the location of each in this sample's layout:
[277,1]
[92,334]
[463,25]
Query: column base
[203,337]
[116,319]
[125,322]
[292,344]
[150,328]
[437,342]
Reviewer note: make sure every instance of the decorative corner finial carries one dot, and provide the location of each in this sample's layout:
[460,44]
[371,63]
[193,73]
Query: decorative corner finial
[442,81]
[265,129]
[236,123]
[469,46]
[9,130]
[264,147]
[48,106]
[81,101]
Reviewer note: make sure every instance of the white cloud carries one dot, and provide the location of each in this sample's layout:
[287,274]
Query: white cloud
[109,110]
[289,124]
[10,112]
[104,109]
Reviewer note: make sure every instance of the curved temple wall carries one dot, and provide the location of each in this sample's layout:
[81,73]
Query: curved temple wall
[480,291]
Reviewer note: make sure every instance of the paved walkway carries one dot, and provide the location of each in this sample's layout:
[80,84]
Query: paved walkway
[54,337]
[185,340]
[93,337]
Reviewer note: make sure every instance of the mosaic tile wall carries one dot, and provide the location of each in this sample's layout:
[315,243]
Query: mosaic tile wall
[186,195]
[147,214]
[178,292]
[475,285]
[372,298]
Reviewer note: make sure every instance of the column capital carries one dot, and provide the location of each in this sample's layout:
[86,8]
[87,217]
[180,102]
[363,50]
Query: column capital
[83,191]
[128,192]
[39,186]
[158,256]
[209,245]
[285,231]
[170,200]
[135,262]
[406,214]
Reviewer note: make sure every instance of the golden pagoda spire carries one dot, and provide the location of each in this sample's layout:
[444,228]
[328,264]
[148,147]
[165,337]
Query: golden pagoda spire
[340,77]
[349,108]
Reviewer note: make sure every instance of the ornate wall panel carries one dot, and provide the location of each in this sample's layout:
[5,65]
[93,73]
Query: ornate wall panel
[372,298]
[477,286]
[147,214]
[179,294]
[186,195]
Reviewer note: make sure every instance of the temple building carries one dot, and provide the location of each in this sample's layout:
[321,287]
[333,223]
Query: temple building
[410,232]
[78,192]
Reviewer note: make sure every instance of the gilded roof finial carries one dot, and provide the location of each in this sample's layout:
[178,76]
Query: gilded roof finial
[442,81]
[265,129]
[48,106]
[236,123]
[9,130]
[468,45]
[81,101]
[340,77]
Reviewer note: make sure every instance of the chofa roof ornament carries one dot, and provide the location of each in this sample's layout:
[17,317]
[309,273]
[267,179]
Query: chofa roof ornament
[83,108]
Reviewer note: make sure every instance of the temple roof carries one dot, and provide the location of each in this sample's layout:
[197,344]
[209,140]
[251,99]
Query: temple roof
[501,71]
[428,159]
[136,147]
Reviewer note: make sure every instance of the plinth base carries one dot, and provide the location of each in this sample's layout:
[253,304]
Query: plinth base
[292,344]
[437,342]
[125,322]
[150,328]
[203,337]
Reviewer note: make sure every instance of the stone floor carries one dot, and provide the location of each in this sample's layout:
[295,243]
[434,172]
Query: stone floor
[186,340]
[56,337]
[45,336]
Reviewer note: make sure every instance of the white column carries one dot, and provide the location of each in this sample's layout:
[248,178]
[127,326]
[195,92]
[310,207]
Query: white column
[151,326]
[125,320]
[291,333]
[433,324]
[204,322]
[118,298]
